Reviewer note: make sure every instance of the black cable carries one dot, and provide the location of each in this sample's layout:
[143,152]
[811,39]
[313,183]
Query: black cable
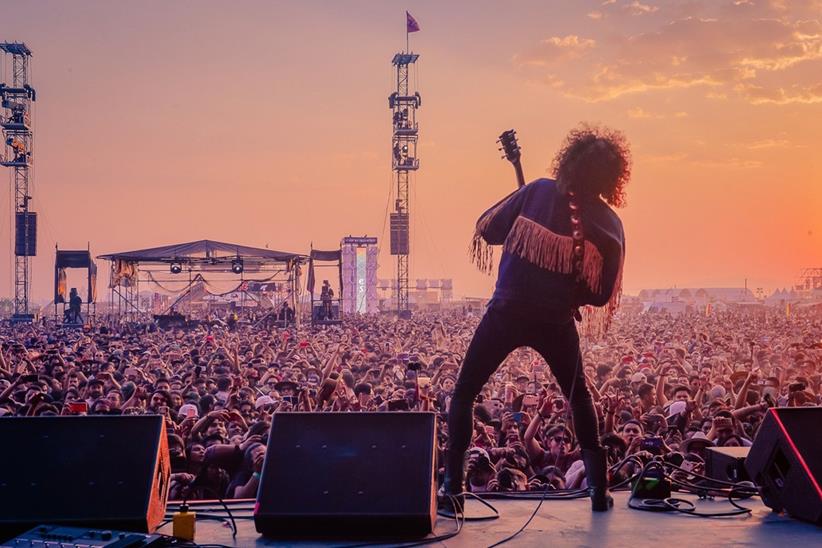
[190,544]
[524,525]
[175,542]
[207,515]
[684,506]
[674,504]
[459,519]
[213,502]
[230,515]
[569,494]
[459,523]
[740,510]
[731,500]
[566,494]
[481,500]
[706,478]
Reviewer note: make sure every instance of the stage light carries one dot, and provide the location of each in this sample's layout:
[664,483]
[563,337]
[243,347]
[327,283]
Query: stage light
[176,268]
[237,266]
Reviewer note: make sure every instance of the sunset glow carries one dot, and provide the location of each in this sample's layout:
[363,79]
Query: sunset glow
[266,123]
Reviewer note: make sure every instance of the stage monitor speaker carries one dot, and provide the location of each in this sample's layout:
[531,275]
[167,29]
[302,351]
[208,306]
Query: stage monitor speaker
[785,461]
[106,472]
[726,463]
[319,312]
[364,475]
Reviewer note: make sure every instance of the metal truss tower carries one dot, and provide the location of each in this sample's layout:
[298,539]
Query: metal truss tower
[15,120]
[403,103]
[810,280]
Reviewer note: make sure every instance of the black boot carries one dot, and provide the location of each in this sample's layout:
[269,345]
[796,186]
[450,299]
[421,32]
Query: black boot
[449,496]
[450,501]
[596,472]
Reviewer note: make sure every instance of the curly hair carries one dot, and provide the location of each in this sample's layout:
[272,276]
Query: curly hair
[595,161]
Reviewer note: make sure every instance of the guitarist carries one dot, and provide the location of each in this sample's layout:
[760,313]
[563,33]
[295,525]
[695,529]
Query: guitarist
[563,248]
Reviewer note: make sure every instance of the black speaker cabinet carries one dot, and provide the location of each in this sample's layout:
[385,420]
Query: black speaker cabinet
[785,461]
[25,234]
[726,463]
[106,472]
[361,475]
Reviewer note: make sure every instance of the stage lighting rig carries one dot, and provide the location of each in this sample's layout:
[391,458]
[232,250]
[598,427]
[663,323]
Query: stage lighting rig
[237,266]
[176,268]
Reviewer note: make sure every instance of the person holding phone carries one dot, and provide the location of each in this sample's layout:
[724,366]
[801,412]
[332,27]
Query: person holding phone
[563,248]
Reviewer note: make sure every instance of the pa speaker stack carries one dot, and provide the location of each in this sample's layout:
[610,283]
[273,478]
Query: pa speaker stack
[348,474]
[108,472]
[785,461]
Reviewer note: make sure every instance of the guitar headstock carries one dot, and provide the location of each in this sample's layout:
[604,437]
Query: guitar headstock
[508,140]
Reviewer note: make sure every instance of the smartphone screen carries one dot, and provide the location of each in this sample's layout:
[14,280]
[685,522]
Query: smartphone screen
[530,400]
[78,407]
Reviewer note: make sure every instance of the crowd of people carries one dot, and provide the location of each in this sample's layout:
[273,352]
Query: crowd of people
[668,386]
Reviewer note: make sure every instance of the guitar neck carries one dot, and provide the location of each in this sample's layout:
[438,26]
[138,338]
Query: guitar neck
[520,176]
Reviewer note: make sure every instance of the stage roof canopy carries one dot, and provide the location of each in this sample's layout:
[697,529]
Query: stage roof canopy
[202,251]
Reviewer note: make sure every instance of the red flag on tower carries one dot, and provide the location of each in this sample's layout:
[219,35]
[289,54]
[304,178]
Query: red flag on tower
[411,23]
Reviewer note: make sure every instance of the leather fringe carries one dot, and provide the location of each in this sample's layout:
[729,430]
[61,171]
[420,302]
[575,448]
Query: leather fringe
[597,320]
[545,248]
[481,253]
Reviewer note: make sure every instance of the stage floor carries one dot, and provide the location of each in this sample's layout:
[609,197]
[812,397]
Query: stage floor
[571,523]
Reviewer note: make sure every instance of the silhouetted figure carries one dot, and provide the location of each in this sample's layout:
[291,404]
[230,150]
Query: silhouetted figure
[326,297]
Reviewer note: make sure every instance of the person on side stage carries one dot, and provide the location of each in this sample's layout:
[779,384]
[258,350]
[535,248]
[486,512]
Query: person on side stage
[327,296]
[75,306]
[563,248]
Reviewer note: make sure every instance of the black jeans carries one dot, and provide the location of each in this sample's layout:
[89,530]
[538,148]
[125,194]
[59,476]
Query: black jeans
[505,327]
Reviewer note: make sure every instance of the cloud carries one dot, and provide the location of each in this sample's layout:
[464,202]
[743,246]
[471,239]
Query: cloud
[795,94]
[709,160]
[749,51]
[638,8]
[769,143]
[661,158]
[642,114]
[729,163]
[596,15]
[639,112]
[556,49]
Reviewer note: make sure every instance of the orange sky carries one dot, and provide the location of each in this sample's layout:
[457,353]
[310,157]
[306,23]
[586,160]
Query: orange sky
[268,123]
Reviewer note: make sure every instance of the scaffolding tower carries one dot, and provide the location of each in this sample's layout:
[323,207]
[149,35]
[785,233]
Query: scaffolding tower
[15,119]
[809,281]
[403,103]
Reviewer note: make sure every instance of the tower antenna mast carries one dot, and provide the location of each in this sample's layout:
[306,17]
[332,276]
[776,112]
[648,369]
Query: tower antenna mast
[16,98]
[403,103]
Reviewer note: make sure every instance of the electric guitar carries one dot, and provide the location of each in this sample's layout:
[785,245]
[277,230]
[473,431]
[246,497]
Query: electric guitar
[513,153]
